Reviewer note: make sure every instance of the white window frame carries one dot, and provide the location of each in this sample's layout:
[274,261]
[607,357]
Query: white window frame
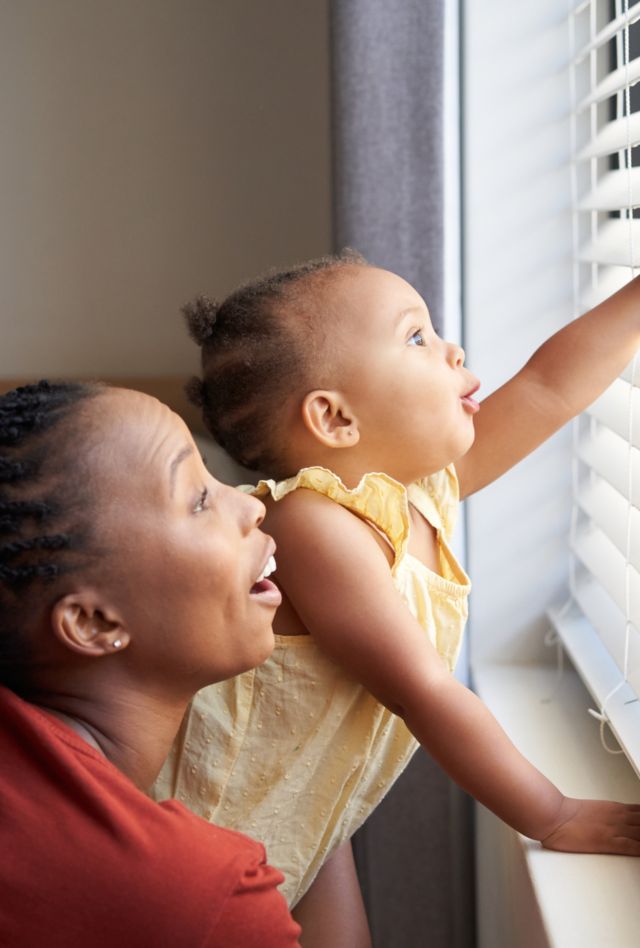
[518,288]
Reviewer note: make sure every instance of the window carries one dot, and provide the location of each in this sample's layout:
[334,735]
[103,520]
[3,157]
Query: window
[600,625]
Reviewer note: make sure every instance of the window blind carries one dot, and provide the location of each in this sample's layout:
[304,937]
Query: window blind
[600,624]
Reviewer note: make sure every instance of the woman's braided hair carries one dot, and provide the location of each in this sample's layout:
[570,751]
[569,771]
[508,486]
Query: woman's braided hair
[41,534]
[256,346]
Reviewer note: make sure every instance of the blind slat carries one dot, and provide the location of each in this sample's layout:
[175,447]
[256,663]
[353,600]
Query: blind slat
[578,6]
[609,511]
[609,32]
[613,137]
[607,454]
[617,243]
[610,280]
[607,619]
[614,82]
[613,407]
[614,192]
[607,565]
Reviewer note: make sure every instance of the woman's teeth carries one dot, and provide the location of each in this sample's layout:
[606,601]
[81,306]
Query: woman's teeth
[268,570]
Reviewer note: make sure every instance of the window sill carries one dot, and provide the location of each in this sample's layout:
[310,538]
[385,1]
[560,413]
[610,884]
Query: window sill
[582,901]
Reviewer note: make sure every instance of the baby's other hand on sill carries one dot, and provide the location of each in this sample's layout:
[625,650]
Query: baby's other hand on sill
[597,826]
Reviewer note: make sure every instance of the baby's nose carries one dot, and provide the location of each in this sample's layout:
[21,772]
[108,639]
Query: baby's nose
[455,354]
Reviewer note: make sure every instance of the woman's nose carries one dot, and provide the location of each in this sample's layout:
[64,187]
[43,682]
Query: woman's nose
[246,510]
[254,511]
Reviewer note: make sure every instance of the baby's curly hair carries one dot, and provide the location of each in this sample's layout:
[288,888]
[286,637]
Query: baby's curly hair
[256,348]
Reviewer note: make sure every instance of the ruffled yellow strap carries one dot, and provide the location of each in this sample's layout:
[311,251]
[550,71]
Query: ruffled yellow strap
[378,498]
[437,497]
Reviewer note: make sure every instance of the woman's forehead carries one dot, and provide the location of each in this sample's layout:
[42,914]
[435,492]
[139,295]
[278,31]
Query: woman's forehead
[123,407]
[135,432]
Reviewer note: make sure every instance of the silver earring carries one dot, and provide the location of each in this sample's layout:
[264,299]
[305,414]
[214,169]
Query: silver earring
[117,643]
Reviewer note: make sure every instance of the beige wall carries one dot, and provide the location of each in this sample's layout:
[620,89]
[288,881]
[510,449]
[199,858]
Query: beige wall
[151,149]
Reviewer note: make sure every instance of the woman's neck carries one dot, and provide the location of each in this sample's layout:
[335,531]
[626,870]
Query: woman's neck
[133,732]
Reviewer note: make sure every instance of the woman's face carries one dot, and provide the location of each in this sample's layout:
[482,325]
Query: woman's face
[183,553]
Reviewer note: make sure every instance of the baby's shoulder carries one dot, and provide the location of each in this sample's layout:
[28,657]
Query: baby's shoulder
[305,520]
[304,506]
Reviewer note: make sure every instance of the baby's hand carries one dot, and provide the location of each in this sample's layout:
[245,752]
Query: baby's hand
[597,826]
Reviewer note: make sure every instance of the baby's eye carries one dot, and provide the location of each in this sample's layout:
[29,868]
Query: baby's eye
[201,503]
[416,338]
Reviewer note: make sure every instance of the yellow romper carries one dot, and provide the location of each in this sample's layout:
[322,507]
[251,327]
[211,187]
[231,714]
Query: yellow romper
[296,753]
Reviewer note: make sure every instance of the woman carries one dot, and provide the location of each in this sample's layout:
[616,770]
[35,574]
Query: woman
[129,579]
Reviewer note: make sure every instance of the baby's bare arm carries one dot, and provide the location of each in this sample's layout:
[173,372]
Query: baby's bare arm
[339,582]
[561,379]
[331,912]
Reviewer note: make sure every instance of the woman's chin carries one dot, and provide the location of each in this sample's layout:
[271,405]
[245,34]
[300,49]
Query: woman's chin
[261,650]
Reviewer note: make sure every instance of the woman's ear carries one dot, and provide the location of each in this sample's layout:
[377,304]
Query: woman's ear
[329,419]
[84,624]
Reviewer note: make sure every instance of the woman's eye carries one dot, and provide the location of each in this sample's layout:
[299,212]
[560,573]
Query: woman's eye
[416,338]
[201,503]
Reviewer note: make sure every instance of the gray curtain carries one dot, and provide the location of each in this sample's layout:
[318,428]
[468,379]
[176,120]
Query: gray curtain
[387,59]
[414,854]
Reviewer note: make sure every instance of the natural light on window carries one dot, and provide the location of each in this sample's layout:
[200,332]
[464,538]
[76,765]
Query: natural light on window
[600,623]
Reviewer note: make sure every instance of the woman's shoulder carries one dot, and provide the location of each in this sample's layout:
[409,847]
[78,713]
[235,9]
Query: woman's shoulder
[187,872]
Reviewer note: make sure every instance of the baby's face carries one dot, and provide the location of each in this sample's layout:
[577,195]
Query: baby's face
[409,388]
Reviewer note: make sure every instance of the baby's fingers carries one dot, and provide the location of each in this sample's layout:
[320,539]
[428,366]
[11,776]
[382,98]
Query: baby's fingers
[597,826]
[624,846]
[626,841]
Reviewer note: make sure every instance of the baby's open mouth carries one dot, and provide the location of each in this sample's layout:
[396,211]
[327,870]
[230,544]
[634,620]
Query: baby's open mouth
[470,403]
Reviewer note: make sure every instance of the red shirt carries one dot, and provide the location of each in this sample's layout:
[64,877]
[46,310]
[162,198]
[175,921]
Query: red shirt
[86,859]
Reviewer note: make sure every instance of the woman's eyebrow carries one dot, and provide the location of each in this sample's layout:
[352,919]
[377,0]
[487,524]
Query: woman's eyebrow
[173,469]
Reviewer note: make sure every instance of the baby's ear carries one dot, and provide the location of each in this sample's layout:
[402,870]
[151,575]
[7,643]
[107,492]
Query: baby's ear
[86,625]
[329,419]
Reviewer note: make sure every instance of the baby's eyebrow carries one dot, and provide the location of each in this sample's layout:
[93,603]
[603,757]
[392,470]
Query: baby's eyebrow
[173,469]
[405,313]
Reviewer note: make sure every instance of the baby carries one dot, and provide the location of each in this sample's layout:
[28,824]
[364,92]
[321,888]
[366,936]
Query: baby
[330,379]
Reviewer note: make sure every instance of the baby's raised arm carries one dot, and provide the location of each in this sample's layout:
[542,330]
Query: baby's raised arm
[568,372]
[339,582]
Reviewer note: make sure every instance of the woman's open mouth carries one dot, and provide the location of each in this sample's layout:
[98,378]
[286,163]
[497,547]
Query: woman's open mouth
[264,588]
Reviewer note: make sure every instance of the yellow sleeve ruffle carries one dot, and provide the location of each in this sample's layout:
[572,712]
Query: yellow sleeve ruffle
[378,498]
